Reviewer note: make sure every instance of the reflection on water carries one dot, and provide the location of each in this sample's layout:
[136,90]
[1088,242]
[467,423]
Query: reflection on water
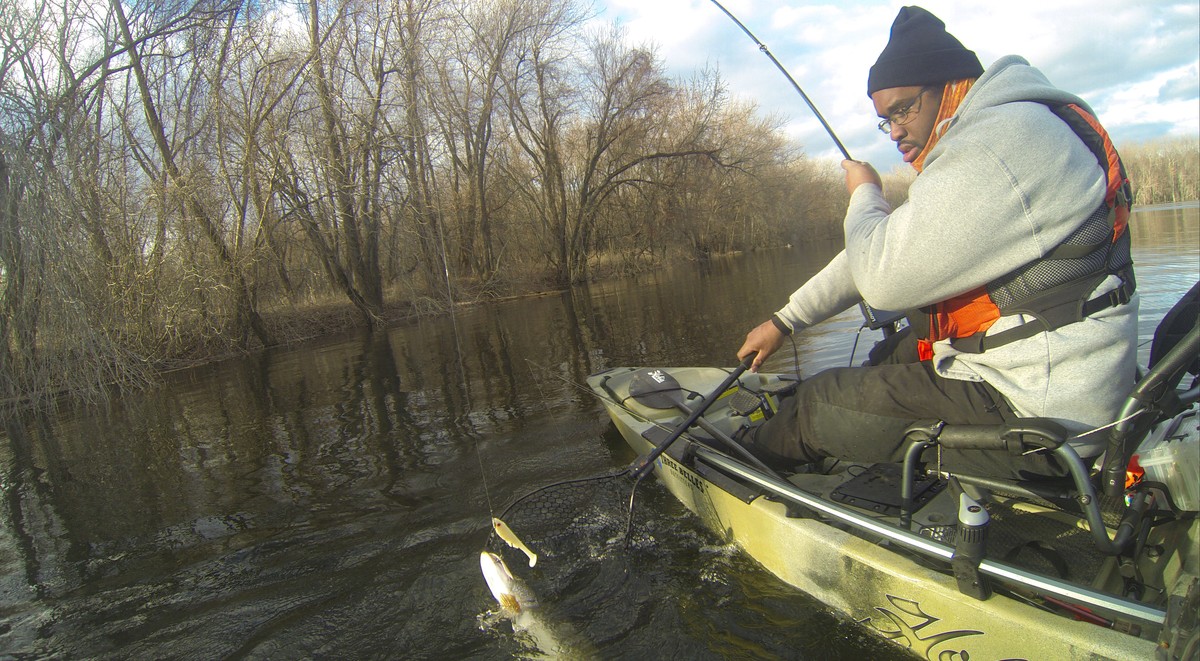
[1167,261]
[331,500]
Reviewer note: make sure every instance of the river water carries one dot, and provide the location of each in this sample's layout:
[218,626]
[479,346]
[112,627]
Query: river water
[331,500]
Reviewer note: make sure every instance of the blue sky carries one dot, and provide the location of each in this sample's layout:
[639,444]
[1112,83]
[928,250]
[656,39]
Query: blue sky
[1137,63]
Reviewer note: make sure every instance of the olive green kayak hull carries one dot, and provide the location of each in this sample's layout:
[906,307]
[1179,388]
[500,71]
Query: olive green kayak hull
[891,593]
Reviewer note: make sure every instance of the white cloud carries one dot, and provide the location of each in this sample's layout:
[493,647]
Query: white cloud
[1182,87]
[1136,63]
[1141,111]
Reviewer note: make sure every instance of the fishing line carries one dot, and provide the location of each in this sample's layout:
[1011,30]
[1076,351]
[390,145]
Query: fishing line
[462,378]
[483,480]
[763,47]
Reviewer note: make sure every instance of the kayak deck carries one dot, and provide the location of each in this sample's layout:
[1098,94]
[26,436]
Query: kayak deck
[836,534]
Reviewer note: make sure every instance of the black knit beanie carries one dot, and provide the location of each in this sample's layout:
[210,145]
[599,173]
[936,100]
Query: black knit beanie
[921,52]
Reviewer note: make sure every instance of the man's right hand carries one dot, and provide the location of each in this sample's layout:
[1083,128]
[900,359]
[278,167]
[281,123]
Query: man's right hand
[765,339]
[859,173]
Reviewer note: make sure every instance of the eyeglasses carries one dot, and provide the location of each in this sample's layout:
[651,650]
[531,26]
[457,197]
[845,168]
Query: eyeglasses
[905,114]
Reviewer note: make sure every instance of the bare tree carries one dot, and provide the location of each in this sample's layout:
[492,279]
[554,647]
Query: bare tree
[171,175]
[623,119]
[420,23]
[254,79]
[348,146]
[1164,171]
[498,34]
[54,330]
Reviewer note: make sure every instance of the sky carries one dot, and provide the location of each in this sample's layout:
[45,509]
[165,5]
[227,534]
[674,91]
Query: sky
[1136,62]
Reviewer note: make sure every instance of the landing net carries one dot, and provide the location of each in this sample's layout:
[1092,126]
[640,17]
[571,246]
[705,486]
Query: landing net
[579,518]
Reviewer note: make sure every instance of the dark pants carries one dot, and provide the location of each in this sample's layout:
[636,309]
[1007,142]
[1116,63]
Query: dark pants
[859,414]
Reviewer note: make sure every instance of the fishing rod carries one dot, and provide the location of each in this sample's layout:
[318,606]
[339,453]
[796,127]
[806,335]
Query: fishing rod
[763,47]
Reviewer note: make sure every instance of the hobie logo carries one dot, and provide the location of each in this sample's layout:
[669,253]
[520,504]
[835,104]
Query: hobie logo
[909,625]
[657,375]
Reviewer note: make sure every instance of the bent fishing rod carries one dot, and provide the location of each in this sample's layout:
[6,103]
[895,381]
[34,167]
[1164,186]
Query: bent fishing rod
[763,47]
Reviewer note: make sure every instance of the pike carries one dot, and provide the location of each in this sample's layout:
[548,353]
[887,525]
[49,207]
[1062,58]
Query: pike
[511,592]
[550,639]
[512,540]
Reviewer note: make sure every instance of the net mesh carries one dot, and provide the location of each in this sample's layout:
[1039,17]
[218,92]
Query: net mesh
[573,517]
[587,563]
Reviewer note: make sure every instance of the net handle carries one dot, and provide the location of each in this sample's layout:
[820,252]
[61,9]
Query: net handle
[643,464]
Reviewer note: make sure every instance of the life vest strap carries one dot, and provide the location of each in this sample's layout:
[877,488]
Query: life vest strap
[1049,321]
[1072,264]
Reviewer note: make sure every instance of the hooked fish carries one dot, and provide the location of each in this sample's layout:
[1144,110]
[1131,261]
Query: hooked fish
[512,540]
[510,591]
[550,639]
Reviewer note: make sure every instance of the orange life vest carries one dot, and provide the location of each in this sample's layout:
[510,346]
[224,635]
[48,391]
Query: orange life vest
[1054,288]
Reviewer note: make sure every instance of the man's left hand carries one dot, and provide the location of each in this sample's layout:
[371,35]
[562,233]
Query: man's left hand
[763,339]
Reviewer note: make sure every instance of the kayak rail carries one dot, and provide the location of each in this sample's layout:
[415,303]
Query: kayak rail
[932,549]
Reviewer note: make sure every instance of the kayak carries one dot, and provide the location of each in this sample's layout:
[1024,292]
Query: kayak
[947,567]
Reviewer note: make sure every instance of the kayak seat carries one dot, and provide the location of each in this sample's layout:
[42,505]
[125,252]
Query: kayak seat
[1155,397]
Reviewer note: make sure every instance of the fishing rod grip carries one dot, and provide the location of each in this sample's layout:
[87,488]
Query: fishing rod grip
[642,465]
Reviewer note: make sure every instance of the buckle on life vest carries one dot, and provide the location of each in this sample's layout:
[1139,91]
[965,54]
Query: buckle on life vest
[1120,295]
[924,349]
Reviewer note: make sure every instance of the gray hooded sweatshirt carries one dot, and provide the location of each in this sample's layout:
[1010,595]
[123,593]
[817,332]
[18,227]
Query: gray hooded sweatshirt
[1006,182]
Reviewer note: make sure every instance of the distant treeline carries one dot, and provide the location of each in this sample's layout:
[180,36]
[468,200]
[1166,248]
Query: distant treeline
[180,180]
[1164,171]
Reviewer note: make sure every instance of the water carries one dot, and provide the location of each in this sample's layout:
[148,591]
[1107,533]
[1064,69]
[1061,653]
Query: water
[330,500]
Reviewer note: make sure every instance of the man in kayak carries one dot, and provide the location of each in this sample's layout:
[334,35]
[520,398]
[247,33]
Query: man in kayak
[1011,257]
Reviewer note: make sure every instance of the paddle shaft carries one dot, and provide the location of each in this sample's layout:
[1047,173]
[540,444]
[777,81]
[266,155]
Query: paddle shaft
[643,465]
[733,445]
[763,47]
